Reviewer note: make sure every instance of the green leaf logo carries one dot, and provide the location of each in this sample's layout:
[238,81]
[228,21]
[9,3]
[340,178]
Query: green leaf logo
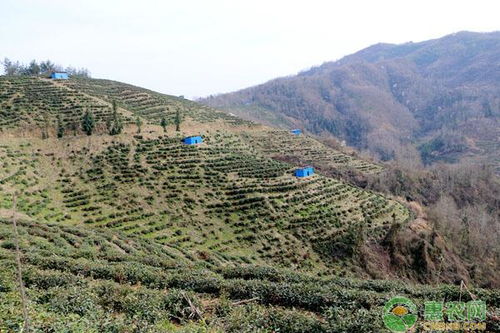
[400,314]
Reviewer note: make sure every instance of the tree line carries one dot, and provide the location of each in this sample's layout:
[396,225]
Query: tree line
[16,68]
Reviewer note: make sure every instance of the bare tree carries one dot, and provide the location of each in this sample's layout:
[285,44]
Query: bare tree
[11,68]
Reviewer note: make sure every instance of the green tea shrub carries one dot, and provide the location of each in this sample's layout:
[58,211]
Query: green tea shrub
[340,320]
[76,300]
[255,318]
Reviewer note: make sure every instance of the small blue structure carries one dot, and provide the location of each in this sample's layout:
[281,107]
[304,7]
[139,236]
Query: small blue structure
[296,131]
[304,172]
[192,140]
[59,76]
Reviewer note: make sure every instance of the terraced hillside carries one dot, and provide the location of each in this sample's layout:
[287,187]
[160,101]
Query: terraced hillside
[142,233]
[281,145]
[80,280]
[146,103]
[32,101]
[26,101]
[221,196]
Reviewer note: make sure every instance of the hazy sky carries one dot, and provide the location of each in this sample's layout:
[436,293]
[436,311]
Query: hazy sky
[197,48]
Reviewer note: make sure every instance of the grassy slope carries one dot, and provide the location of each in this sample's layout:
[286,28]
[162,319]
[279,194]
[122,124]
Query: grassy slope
[123,217]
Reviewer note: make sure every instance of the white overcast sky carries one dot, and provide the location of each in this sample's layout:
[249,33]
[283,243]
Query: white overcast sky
[196,47]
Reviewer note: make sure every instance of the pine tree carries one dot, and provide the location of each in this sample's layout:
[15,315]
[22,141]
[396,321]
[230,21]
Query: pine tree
[88,123]
[33,68]
[138,122]
[115,125]
[177,120]
[164,124]
[60,127]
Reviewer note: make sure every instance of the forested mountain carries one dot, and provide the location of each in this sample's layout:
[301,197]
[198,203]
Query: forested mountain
[430,101]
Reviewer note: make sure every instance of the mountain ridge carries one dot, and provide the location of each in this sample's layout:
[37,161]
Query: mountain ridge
[434,100]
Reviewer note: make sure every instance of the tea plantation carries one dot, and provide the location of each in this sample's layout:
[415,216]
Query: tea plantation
[82,280]
[221,196]
[139,232]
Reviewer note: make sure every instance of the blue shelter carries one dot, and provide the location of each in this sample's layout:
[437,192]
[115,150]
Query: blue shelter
[192,140]
[296,131]
[59,76]
[304,172]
